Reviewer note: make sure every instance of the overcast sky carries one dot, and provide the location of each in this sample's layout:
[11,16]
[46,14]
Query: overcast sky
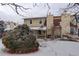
[6,13]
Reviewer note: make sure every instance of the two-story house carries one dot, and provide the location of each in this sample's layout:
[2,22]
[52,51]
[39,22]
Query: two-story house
[50,26]
[37,25]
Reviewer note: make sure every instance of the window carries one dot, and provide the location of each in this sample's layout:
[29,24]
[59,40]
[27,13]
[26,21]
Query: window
[40,22]
[30,21]
[39,32]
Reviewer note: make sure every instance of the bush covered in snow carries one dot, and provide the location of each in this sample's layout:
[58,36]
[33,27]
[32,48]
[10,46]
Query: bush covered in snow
[20,40]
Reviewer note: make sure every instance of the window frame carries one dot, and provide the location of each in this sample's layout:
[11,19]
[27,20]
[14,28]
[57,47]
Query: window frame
[30,21]
[40,22]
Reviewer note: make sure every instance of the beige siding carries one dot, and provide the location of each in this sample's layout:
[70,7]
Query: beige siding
[49,24]
[35,22]
[65,23]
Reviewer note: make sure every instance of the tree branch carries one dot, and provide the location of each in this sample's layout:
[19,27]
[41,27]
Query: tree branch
[16,7]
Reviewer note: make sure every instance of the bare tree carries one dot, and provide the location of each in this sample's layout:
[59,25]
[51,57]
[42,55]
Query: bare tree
[75,7]
[72,7]
[43,4]
[15,7]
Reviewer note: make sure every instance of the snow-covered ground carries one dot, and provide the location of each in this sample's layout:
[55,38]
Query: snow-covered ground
[50,48]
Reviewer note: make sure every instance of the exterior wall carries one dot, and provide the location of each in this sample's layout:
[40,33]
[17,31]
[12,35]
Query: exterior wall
[65,24]
[49,24]
[35,22]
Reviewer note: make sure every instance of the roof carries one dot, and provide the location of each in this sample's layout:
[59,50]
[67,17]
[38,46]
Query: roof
[35,18]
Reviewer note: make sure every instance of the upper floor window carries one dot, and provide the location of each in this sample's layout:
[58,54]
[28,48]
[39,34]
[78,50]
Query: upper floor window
[40,22]
[30,21]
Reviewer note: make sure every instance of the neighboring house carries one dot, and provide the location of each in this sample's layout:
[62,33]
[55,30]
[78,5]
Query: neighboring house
[2,27]
[76,23]
[55,26]
[73,26]
[10,25]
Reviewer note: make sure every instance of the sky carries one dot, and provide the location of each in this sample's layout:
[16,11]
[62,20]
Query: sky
[7,14]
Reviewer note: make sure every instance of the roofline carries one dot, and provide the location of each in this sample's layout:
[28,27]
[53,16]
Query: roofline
[34,18]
